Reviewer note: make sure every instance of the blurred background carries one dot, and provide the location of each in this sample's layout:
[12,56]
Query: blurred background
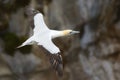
[94,54]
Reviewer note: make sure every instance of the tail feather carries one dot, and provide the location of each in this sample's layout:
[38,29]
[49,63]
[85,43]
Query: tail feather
[20,46]
[27,42]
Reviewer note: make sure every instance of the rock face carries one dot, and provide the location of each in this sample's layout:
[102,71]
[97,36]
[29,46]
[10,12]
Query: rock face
[92,55]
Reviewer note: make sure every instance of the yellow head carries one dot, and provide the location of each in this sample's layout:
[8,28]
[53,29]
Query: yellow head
[69,32]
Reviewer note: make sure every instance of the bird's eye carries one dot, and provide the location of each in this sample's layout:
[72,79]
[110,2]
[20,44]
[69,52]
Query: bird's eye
[71,32]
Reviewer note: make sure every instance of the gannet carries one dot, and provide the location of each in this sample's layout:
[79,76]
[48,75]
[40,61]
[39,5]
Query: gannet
[43,36]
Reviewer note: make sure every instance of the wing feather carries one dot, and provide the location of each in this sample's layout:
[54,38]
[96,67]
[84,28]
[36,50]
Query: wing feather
[53,53]
[56,62]
[39,24]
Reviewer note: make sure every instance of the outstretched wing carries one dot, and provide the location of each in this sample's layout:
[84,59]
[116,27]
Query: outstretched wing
[53,53]
[39,24]
[56,62]
[36,20]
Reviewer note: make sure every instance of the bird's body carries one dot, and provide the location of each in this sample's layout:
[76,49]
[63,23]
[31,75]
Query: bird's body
[43,37]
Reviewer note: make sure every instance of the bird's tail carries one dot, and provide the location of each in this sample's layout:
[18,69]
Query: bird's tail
[27,42]
[20,46]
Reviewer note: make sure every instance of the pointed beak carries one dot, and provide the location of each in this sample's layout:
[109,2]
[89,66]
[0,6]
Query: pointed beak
[75,32]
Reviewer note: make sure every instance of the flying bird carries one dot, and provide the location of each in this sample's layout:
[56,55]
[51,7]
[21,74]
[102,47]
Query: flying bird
[42,36]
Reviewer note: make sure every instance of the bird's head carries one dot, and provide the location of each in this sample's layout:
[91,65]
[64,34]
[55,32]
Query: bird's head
[69,32]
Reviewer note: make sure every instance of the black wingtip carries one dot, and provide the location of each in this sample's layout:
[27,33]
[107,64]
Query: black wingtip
[59,70]
[56,62]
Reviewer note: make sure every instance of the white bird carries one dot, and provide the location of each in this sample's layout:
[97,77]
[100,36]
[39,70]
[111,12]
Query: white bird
[43,37]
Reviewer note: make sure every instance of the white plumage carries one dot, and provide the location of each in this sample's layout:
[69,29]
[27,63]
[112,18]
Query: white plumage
[43,36]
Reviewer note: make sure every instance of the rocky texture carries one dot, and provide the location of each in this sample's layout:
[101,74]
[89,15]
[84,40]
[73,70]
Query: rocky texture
[92,55]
